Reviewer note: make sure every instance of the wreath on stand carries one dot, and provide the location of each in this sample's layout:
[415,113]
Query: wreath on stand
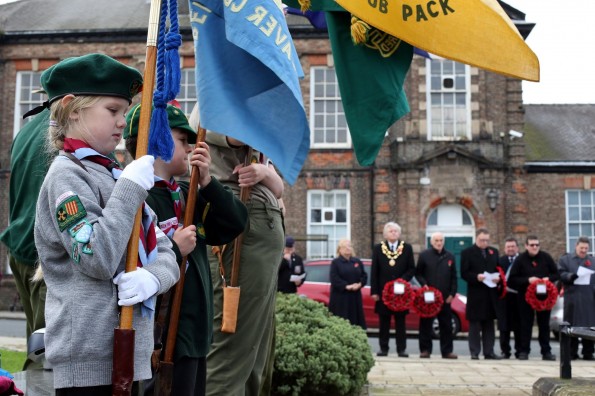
[502,283]
[539,303]
[397,302]
[425,309]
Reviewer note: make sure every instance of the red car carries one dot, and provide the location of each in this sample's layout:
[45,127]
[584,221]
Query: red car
[317,287]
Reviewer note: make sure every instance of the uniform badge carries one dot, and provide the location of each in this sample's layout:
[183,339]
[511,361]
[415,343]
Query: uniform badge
[76,257]
[87,249]
[69,212]
[200,231]
[81,231]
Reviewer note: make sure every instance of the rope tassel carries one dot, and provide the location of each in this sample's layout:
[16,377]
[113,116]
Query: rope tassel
[161,143]
[359,30]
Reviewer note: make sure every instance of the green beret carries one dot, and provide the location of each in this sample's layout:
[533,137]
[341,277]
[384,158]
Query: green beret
[175,117]
[92,74]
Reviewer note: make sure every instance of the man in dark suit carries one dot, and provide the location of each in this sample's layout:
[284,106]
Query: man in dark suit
[436,267]
[291,264]
[508,313]
[477,263]
[391,259]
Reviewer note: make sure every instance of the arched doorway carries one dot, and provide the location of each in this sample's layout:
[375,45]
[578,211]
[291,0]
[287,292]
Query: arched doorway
[456,223]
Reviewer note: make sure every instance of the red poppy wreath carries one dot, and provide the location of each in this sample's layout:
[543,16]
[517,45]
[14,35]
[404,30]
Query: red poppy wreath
[424,309]
[542,304]
[397,302]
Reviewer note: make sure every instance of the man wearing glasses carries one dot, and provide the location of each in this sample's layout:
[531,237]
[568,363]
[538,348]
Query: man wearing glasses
[532,266]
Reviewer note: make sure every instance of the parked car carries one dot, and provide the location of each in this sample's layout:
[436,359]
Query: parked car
[317,287]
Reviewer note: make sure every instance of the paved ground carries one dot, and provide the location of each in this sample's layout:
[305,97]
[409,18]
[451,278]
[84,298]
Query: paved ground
[435,376]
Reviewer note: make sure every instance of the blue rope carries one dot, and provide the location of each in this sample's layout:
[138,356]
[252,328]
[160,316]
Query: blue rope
[173,41]
[167,84]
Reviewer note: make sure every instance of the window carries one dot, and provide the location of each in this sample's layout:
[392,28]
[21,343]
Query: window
[26,99]
[328,214]
[449,115]
[580,217]
[187,96]
[327,118]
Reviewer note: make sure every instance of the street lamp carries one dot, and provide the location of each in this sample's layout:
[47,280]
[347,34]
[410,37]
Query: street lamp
[492,199]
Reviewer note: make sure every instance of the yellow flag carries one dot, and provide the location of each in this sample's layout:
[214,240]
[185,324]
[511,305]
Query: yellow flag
[475,32]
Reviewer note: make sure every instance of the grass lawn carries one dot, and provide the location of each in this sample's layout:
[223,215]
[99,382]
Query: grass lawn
[12,361]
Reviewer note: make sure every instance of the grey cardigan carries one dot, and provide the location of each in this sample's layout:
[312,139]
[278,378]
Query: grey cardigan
[82,301]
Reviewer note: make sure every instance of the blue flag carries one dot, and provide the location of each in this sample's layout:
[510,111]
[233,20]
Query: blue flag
[247,77]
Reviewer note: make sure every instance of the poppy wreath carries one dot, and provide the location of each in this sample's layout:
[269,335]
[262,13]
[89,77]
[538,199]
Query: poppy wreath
[424,309]
[397,302]
[541,304]
[502,283]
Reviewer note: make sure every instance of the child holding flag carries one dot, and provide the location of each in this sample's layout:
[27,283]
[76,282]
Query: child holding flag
[218,218]
[84,219]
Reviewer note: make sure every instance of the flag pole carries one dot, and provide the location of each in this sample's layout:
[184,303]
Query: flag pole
[163,384]
[123,355]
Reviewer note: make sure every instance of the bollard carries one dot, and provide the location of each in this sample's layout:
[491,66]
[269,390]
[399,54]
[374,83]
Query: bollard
[565,358]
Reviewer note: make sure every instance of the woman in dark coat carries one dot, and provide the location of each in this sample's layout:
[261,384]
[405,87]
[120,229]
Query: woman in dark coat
[347,278]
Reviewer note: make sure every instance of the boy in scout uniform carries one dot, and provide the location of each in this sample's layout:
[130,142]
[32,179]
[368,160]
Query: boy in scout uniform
[218,218]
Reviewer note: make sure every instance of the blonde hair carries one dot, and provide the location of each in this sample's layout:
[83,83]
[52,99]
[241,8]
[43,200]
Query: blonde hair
[341,244]
[60,121]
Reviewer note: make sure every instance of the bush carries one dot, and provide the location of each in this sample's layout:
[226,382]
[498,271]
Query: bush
[317,353]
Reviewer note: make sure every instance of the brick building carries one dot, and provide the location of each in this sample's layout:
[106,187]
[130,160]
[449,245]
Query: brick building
[450,164]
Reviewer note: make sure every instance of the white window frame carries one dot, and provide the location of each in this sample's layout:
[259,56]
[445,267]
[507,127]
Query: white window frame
[338,115]
[187,83]
[31,101]
[432,135]
[582,224]
[331,244]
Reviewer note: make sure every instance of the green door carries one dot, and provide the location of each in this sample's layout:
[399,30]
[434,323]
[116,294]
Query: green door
[456,245]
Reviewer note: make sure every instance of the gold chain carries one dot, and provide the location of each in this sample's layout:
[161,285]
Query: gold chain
[392,256]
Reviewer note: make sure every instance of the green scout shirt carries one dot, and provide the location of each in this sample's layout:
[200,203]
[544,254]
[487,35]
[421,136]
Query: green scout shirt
[29,164]
[219,218]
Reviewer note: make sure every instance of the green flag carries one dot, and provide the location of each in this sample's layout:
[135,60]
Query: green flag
[370,78]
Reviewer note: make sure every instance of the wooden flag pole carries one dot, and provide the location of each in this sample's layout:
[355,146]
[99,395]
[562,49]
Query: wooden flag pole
[123,358]
[164,381]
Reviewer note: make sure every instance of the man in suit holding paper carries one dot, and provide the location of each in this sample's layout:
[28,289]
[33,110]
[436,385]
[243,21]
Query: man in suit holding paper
[482,299]
[579,299]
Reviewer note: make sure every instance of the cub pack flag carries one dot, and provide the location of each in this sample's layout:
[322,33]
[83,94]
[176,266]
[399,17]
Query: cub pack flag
[247,79]
[476,32]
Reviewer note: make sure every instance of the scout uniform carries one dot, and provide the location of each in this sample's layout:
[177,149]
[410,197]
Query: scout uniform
[83,222]
[29,163]
[237,363]
[219,217]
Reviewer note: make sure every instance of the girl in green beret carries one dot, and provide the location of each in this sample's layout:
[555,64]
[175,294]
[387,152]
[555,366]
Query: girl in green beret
[84,219]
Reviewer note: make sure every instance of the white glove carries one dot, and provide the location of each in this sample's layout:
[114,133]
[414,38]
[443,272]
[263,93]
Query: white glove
[136,286]
[141,172]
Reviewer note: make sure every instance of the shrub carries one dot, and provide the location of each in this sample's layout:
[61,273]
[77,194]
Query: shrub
[317,353]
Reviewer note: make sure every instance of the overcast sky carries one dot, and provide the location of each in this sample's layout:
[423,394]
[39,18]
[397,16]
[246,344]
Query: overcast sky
[564,41]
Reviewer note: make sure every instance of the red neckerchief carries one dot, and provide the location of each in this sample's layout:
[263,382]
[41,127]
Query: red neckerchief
[175,193]
[72,145]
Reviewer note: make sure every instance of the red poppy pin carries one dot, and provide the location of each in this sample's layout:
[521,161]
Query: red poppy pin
[450,263]
[587,263]
[356,265]
[490,251]
[534,263]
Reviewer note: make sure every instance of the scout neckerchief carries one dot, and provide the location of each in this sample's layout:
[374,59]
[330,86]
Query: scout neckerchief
[147,247]
[170,226]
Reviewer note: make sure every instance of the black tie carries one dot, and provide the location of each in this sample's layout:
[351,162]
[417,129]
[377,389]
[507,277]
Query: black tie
[510,259]
[483,253]
[392,247]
